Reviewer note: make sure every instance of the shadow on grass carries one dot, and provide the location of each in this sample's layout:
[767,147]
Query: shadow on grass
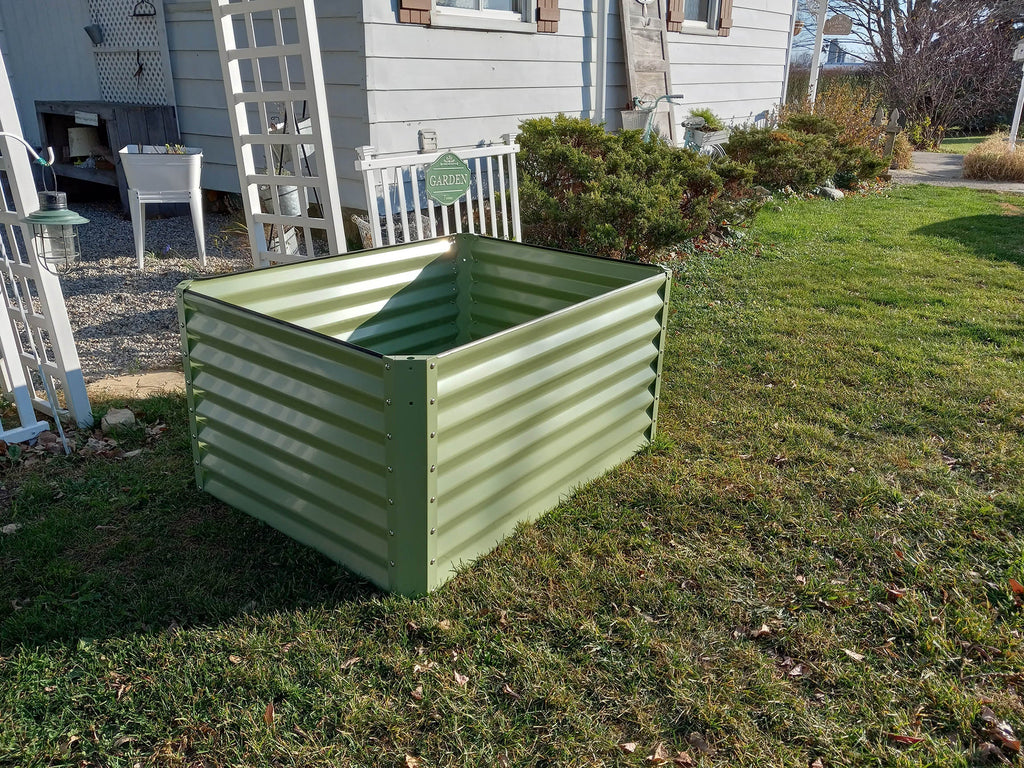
[113,547]
[990,236]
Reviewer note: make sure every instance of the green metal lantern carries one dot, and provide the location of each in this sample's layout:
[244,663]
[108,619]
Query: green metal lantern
[55,231]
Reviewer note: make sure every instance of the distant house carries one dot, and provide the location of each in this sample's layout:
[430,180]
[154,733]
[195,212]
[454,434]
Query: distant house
[470,70]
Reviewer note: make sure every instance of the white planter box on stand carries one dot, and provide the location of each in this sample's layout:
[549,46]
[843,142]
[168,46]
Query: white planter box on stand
[155,175]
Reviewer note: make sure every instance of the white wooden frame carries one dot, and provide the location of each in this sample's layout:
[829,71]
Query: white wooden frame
[493,168]
[38,357]
[238,43]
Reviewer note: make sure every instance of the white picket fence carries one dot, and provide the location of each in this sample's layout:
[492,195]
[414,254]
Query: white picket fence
[399,207]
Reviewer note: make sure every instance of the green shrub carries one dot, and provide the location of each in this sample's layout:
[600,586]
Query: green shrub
[583,189]
[804,151]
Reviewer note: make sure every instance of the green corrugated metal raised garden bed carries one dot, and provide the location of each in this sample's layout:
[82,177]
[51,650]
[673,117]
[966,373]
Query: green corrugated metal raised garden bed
[402,409]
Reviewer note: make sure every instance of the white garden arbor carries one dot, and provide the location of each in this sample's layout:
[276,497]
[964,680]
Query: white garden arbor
[38,358]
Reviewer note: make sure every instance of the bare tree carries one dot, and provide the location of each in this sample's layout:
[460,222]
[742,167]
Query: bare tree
[945,63]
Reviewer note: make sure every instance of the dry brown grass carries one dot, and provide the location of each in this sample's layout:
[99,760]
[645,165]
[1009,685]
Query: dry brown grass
[902,152]
[994,160]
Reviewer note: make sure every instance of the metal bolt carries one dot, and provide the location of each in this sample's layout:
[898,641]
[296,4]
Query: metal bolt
[432,500]
[197,462]
[433,365]
[390,469]
[392,563]
[388,435]
[433,434]
[388,401]
[433,467]
[193,436]
[390,532]
[433,531]
[432,401]
[433,560]
[391,501]
[387,366]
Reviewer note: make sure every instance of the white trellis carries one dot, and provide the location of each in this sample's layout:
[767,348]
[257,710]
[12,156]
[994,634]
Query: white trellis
[38,358]
[399,207]
[273,75]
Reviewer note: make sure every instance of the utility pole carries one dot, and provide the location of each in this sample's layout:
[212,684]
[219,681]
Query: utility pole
[819,39]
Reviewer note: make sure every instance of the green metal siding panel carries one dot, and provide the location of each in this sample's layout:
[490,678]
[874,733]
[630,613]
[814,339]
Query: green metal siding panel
[400,304]
[526,415]
[289,427]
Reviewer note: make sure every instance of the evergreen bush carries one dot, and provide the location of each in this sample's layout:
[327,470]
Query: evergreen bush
[583,189]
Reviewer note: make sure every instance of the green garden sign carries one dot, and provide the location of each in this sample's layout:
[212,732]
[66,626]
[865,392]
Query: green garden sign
[447,179]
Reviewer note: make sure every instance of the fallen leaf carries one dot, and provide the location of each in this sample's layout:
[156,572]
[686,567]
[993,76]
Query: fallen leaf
[817,763]
[503,761]
[412,762]
[801,580]
[1016,586]
[417,693]
[507,690]
[894,594]
[351,662]
[683,760]
[797,671]
[764,630]
[629,747]
[444,624]
[268,715]
[411,626]
[425,667]
[461,679]
[899,738]
[990,753]
[697,742]
[659,756]
[853,654]
[235,659]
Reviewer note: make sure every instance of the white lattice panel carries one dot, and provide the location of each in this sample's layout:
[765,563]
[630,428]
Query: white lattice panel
[38,359]
[132,60]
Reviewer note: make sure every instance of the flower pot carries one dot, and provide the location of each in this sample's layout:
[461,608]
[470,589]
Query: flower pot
[289,197]
[154,169]
[707,138]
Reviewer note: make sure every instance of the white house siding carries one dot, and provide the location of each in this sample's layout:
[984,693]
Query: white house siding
[202,105]
[740,75]
[48,55]
[473,86]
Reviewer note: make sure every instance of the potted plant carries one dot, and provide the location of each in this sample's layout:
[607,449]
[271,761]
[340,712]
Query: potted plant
[705,128]
[167,168]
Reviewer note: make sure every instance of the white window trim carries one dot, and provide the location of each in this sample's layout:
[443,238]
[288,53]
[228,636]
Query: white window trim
[495,21]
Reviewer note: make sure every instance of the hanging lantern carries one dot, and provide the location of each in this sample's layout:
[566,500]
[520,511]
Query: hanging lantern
[55,231]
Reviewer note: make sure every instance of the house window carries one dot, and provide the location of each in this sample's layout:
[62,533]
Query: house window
[702,13]
[500,6]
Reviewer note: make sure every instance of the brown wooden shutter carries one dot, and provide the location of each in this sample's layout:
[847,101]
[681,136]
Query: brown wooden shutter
[674,17]
[725,18]
[547,15]
[414,11]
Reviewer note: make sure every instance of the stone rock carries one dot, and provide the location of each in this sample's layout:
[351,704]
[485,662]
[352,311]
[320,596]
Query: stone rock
[117,418]
[10,528]
[832,193]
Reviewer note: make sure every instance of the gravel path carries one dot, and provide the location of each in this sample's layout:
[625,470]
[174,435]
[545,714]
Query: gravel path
[124,320]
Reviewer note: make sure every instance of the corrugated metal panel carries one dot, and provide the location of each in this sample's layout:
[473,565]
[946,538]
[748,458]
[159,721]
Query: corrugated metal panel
[402,304]
[400,463]
[289,427]
[529,413]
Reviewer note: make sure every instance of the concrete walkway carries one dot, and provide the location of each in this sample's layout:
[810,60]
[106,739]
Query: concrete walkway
[942,169]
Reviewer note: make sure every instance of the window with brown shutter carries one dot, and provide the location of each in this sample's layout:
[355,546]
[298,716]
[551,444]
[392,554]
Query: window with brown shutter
[414,11]
[547,15]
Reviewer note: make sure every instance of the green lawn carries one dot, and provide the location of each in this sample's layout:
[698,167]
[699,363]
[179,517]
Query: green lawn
[814,561]
[960,145]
